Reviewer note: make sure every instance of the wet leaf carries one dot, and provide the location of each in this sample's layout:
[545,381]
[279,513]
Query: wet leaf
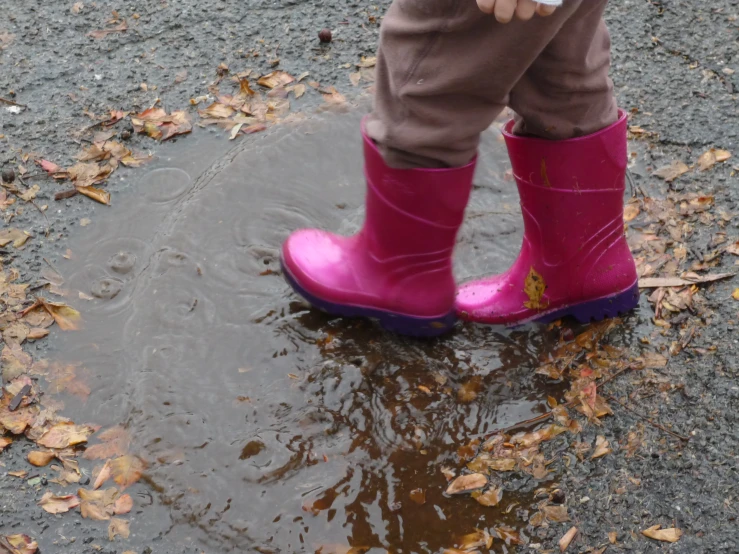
[690,279]
[508,535]
[118,527]
[712,157]
[556,514]
[671,534]
[485,462]
[126,470]
[65,317]
[735,294]
[534,287]
[17,421]
[671,172]
[50,167]
[275,79]
[612,537]
[332,96]
[218,111]
[601,447]
[298,90]
[478,539]
[63,435]
[98,505]
[19,474]
[418,496]
[16,236]
[157,124]
[23,544]
[527,440]
[564,542]
[490,497]
[467,483]
[120,28]
[355,78]
[5,442]
[96,194]
[123,504]
[101,476]
[115,442]
[31,193]
[40,458]
[369,61]
[58,504]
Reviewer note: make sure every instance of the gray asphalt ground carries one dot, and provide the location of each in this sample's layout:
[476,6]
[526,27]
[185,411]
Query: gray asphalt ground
[675,66]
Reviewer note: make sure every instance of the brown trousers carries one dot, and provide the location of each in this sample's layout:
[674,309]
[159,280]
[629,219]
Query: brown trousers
[445,71]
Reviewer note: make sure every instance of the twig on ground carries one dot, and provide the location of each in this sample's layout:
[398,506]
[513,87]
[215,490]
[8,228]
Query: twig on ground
[11,103]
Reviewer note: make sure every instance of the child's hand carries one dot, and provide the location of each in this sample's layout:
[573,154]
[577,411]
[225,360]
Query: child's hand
[504,10]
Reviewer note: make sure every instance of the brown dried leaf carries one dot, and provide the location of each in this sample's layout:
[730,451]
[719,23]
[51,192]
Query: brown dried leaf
[115,442]
[332,96]
[275,79]
[4,442]
[123,504]
[98,505]
[299,90]
[556,514]
[490,497]
[67,318]
[16,422]
[534,287]
[355,78]
[690,279]
[217,111]
[126,470]
[631,211]
[65,434]
[671,534]
[96,194]
[601,447]
[40,458]
[58,504]
[671,172]
[712,157]
[102,475]
[118,527]
[16,236]
[467,483]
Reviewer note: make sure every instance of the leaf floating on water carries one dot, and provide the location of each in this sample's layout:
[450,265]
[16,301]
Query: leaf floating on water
[16,236]
[123,504]
[118,527]
[671,172]
[601,447]
[23,544]
[98,505]
[333,96]
[508,535]
[115,442]
[467,483]
[534,287]
[712,157]
[491,497]
[478,539]
[67,318]
[58,504]
[126,470]
[564,542]
[671,534]
[65,434]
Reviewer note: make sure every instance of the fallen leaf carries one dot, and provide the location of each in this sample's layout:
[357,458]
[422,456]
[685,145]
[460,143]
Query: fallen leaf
[369,61]
[58,504]
[31,193]
[39,458]
[671,534]
[4,442]
[612,537]
[712,157]
[671,172]
[23,544]
[121,27]
[16,236]
[118,527]
[17,421]
[50,167]
[126,470]
[102,476]
[332,96]
[534,287]
[77,7]
[565,541]
[657,282]
[601,447]
[491,497]
[508,535]
[275,79]
[735,294]
[355,78]
[98,505]
[115,442]
[299,90]
[65,317]
[65,434]
[478,539]
[556,514]
[631,211]
[159,125]
[467,483]
[218,111]
[123,504]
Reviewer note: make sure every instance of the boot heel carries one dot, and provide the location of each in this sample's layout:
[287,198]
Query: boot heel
[602,308]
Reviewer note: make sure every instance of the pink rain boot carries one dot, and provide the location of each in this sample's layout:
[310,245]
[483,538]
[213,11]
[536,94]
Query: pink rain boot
[398,268]
[574,259]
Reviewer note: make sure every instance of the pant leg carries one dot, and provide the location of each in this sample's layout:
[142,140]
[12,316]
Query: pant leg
[567,92]
[445,71]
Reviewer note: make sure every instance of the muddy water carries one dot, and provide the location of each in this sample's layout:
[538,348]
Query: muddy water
[269,427]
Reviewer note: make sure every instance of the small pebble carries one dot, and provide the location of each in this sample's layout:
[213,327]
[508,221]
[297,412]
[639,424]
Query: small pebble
[325,36]
[8,175]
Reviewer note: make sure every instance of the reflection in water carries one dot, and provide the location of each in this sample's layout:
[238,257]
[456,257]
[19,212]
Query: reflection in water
[270,427]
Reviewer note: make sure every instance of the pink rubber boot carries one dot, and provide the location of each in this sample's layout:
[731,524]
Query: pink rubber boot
[398,268]
[574,259]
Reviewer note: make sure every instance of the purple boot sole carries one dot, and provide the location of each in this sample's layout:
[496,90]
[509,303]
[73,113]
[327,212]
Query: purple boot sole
[396,323]
[597,310]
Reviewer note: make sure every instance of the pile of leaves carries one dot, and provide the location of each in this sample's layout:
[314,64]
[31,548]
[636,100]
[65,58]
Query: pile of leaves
[59,441]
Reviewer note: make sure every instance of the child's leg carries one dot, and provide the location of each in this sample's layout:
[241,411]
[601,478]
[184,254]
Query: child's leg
[446,70]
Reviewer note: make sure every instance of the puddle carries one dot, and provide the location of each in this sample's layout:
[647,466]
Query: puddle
[269,427]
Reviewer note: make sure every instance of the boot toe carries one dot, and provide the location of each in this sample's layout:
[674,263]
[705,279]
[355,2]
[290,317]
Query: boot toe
[316,260]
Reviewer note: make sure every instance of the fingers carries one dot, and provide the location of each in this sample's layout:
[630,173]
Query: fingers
[486,6]
[504,10]
[525,9]
[544,10]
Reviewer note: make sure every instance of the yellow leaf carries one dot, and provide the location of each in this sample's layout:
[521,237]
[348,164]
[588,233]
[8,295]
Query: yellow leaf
[40,459]
[735,295]
[65,434]
[534,287]
[16,236]
[275,79]
[491,497]
[98,505]
[96,194]
[64,316]
[58,504]
[665,535]
[5,441]
[218,111]
[126,470]
[631,211]
[23,544]
[118,527]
